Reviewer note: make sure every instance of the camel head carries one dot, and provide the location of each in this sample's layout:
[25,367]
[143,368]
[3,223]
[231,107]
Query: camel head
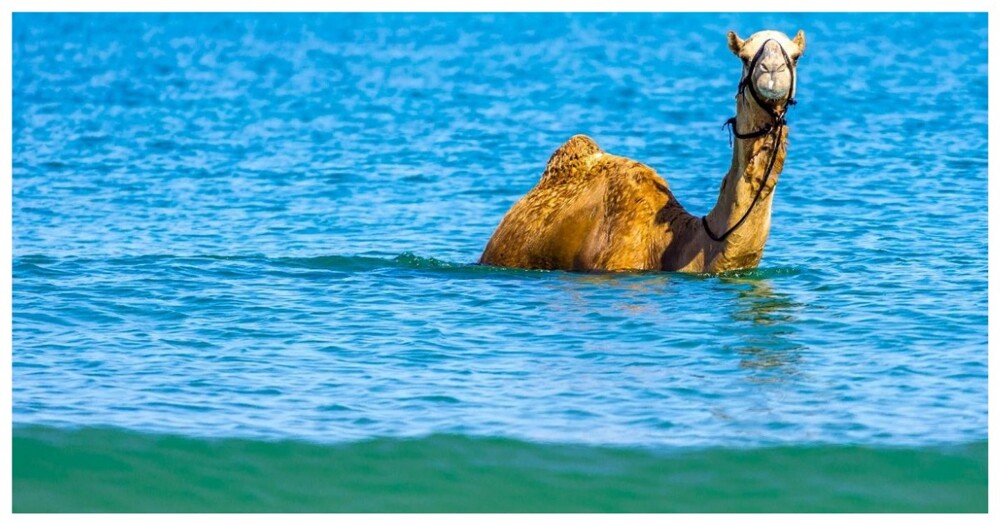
[769,60]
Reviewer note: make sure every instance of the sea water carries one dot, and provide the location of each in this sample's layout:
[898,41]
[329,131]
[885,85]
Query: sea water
[244,273]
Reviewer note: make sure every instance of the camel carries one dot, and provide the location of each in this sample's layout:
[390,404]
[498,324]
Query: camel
[594,211]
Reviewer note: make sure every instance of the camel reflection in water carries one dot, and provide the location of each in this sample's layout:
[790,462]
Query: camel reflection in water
[766,349]
[758,328]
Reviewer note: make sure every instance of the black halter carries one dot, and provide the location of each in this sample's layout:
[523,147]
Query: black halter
[773,127]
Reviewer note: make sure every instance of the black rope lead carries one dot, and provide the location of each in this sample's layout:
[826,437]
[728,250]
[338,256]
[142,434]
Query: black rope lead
[731,124]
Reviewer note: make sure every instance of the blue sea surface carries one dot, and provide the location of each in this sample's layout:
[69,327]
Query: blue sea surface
[263,228]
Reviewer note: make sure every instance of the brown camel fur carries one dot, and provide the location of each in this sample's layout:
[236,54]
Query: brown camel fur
[594,211]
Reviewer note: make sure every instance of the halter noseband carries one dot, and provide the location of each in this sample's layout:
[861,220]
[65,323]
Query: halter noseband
[773,127]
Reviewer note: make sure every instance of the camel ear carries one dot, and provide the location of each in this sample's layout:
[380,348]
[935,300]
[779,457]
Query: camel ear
[800,40]
[735,43]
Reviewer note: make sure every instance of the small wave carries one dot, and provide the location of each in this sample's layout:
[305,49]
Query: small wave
[331,262]
[363,263]
[44,264]
[415,261]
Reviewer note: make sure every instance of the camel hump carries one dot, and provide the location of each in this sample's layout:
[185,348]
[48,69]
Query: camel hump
[577,146]
[578,152]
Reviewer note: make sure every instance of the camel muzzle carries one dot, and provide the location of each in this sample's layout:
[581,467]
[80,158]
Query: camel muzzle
[770,60]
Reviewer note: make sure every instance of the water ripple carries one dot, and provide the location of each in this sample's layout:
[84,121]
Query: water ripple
[267,226]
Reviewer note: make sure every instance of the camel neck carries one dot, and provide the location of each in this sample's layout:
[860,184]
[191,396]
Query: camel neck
[745,178]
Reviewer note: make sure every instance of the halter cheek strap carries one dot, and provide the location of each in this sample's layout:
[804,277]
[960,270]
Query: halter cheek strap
[773,127]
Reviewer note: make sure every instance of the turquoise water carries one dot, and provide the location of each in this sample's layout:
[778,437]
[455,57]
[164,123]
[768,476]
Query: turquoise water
[132,472]
[244,279]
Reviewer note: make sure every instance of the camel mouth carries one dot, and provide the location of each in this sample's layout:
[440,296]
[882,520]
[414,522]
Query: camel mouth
[772,94]
[772,77]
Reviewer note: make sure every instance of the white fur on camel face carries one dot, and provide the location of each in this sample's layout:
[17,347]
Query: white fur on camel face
[771,75]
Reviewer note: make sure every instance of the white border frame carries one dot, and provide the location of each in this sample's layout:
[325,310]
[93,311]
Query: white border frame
[6,80]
